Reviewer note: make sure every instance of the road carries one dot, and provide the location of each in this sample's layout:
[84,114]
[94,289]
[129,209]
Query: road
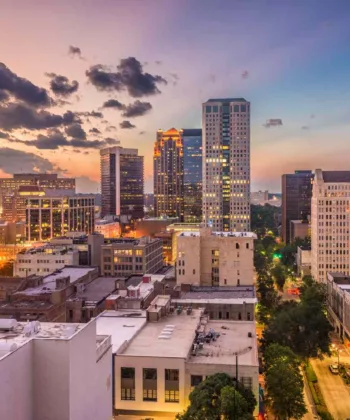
[336,394]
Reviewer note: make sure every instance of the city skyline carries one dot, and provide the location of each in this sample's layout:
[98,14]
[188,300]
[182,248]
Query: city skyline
[288,60]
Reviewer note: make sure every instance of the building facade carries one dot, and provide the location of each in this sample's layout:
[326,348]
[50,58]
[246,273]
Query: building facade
[168,169]
[296,199]
[192,143]
[122,179]
[132,256]
[330,237]
[226,164]
[53,216]
[206,258]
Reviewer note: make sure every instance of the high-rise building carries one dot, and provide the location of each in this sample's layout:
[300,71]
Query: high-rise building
[13,191]
[54,215]
[296,199]
[168,163]
[330,238]
[226,164]
[121,182]
[192,146]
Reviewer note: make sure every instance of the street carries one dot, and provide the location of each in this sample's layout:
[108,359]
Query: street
[335,393]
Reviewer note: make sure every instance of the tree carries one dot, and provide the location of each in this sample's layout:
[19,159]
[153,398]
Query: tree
[267,296]
[217,398]
[279,274]
[7,269]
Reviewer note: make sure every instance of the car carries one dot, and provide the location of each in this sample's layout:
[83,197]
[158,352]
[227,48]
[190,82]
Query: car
[334,369]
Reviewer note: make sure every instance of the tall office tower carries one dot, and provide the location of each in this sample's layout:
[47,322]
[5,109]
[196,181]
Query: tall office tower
[296,199]
[192,143]
[54,215]
[11,191]
[168,164]
[330,222]
[121,182]
[226,164]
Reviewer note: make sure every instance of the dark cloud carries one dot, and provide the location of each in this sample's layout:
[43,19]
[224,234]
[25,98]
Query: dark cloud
[4,135]
[142,132]
[4,97]
[130,76]
[76,131]
[137,109]
[61,86]
[94,131]
[113,103]
[94,114]
[245,74]
[273,122]
[14,161]
[126,124]
[14,116]
[111,141]
[62,102]
[305,127]
[22,89]
[111,128]
[74,51]
[158,62]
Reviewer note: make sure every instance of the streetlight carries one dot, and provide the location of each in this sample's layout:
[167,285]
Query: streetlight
[335,348]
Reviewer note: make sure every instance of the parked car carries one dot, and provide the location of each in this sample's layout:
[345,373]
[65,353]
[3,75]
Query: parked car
[334,369]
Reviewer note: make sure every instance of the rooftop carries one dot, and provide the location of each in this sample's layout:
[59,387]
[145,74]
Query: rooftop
[177,343]
[222,234]
[121,325]
[48,249]
[223,294]
[227,100]
[145,240]
[95,291]
[336,176]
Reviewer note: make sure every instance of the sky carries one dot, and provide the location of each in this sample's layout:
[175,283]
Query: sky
[79,75]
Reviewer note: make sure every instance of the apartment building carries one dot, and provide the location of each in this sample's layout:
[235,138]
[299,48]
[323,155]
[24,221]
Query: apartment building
[207,258]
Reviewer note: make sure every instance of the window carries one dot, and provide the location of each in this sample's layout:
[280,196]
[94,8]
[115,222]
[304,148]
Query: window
[238,282]
[194,271]
[208,109]
[236,108]
[127,383]
[215,108]
[248,316]
[237,246]
[196,380]
[171,395]
[239,316]
[247,246]
[247,382]
[171,374]
[225,281]
[227,315]
[243,108]
[149,384]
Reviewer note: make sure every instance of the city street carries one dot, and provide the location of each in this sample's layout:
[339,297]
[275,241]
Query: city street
[334,390]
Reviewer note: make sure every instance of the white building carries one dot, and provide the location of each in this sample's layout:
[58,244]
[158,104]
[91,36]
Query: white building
[157,364]
[226,164]
[44,260]
[330,237]
[210,258]
[54,371]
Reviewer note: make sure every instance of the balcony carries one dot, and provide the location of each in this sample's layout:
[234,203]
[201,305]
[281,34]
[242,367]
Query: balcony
[103,343]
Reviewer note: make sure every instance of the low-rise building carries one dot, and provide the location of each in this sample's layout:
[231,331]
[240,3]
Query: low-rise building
[108,228]
[303,259]
[127,256]
[54,371]
[12,232]
[158,361]
[299,229]
[207,258]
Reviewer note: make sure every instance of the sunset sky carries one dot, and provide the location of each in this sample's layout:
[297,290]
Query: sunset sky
[149,64]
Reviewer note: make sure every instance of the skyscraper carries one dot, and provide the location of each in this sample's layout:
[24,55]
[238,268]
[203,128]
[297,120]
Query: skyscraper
[296,199]
[121,182]
[226,164]
[168,167]
[192,145]
[330,237]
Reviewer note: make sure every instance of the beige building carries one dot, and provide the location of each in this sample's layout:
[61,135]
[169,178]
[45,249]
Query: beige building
[210,258]
[158,360]
[303,259]
[108,228]
[299,229]
[330,237]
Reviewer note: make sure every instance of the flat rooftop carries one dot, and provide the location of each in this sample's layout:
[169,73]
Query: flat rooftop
[177,344]
[121,325]
[223,294]
[234,338]
[223,234]
[96,290]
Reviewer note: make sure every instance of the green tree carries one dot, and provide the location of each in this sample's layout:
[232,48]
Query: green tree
[218,398]
[267,297]
[7,269]
[279,274]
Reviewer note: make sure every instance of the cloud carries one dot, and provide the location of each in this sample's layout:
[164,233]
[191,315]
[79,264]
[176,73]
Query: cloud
[158,62]
[94,130]
[61,86]
[85,185]
[245,74]
[4,135]
[22,89]
[273,122]
[113,103]
[111,128]
[130,77]
[137,109]
[14,116]
[175,77]
[111,141]
[4,97]
[142,132]
[305,127]
[126,124]
[212,77]
[74,51]
[14,161]
[94,114]
[76,131]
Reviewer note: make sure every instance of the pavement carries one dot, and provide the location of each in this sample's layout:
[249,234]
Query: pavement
[335,393]
[310,406]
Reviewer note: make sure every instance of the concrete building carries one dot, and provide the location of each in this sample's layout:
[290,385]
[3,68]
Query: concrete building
[296,199]
[192,147]
[299,229]
[330,236]
[207,258]
[152,225]
[176,229]
[54,371]
[54,215]
[157,361]
[259,197]
[168,171]
[44,260]
[122,182]
[12,232]
[126,256]
[226,164]
[108,228]
[303,259]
